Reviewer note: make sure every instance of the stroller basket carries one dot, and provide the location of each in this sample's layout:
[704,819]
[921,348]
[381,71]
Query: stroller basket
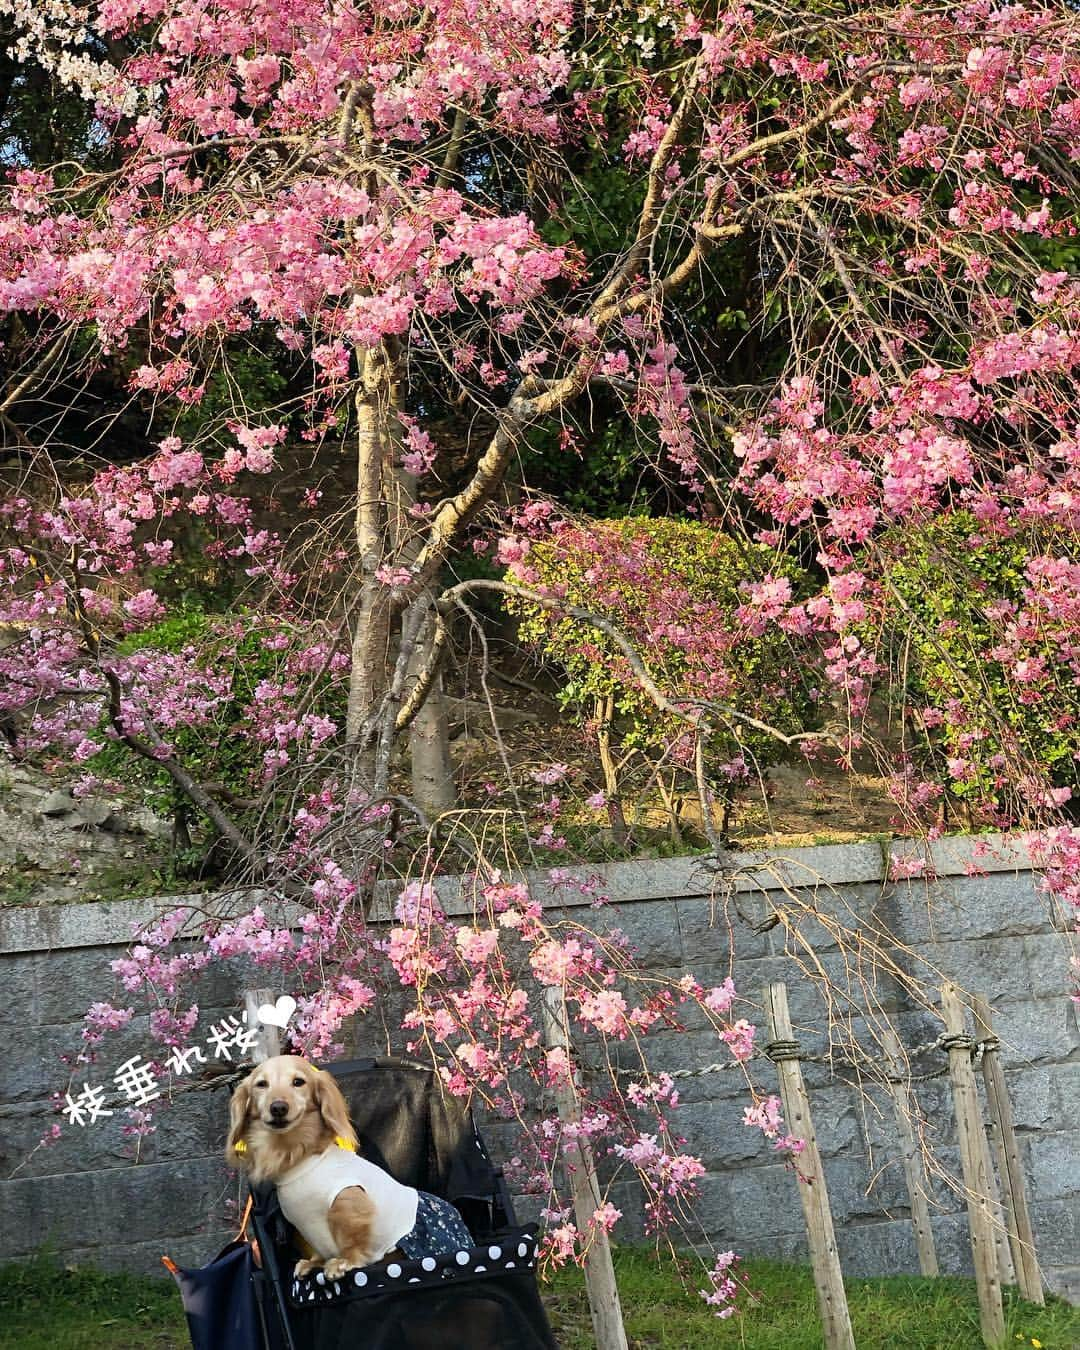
[517,1251]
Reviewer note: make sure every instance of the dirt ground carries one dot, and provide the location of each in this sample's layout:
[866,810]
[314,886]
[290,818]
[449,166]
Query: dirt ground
[517,722]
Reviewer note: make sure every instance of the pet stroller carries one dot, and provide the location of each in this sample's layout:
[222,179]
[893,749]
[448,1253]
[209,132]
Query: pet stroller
[485,1298]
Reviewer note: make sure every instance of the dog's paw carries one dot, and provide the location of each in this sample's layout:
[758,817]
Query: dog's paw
[336,1267]
[304,1267]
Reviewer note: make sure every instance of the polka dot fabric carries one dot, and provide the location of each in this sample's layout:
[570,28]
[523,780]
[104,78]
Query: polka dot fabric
[514,1250]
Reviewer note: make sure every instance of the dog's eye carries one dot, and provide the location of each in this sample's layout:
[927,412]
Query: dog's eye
[298,1082]
[262,1083]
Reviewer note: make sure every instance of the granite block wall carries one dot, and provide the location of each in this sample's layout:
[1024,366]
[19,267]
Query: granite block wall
[852,946]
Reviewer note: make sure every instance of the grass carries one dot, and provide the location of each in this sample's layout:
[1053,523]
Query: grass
[45,1306]
[899,1313]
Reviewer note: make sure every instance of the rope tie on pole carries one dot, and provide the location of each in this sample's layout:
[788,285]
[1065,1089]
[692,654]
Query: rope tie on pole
[781,1050]
[958,1041]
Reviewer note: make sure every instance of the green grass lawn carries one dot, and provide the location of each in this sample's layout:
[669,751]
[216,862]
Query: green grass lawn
[900,1313]
[45,1307]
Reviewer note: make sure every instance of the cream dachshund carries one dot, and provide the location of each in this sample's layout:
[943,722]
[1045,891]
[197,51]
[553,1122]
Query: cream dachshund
[289,1124]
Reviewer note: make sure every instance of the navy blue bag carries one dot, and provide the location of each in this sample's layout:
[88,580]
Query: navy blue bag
[223,1309]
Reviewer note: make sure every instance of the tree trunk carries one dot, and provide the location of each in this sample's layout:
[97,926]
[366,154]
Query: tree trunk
[372,619]
[605,712]
[386,534]
[433,787]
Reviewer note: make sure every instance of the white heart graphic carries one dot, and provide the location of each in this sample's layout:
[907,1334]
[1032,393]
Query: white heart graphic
[277,1014]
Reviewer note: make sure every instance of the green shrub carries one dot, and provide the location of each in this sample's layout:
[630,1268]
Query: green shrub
[954,653]
[219,752]
[673,588]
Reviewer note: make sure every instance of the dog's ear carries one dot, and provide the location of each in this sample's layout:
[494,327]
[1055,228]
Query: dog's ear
[332,1106]
[239,1105]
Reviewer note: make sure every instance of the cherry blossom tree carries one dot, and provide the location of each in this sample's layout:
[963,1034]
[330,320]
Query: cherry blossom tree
[389,199]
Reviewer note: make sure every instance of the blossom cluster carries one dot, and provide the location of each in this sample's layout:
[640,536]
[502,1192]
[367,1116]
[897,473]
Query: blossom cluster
[291,173]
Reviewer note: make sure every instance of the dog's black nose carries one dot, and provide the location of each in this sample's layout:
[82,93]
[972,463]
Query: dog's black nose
[279,1110]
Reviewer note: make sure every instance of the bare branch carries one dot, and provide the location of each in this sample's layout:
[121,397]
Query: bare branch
[34,376]
[691,711]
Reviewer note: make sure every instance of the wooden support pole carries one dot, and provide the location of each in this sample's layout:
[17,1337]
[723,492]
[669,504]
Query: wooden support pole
[603,1293]
[1002,1251]
[268,1042]
[821,1239]
[999,1228]
[974,1162]
[1017,1214]
[911,1155]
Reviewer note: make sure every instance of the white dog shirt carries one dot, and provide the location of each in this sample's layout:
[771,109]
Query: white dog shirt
[307,1191]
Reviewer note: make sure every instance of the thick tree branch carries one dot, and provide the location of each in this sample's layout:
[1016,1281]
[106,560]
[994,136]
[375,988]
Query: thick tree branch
[628,269]
[155,749]
[425,676]
[453,150]
[32,378]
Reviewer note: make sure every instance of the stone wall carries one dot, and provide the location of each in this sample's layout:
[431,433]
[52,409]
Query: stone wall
[982,922]
[57,849]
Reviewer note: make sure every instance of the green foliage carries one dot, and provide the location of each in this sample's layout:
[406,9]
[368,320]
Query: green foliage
[18,880]
[198,579]
[222,752]
[212,752]
[595,209]
[242,383]
[625,570]
[608,476]
[939,580]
